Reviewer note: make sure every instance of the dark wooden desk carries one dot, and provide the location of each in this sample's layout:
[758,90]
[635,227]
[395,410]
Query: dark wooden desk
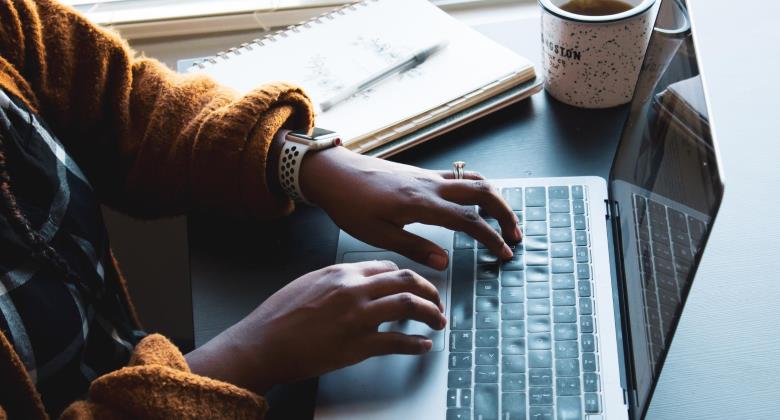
[234,267]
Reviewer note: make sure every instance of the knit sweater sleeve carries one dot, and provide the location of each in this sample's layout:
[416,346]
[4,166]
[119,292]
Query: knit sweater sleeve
[152,142]
[158,384]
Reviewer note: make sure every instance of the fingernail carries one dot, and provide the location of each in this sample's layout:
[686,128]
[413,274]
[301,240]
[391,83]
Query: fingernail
[506,252]
[518,233]
[427,344]
[443,323]
[437,261]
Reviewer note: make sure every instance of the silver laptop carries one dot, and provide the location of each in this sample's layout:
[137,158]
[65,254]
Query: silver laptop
[578,323]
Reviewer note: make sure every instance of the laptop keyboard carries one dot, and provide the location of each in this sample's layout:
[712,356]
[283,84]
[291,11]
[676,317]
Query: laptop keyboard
[523,334]
[668,241]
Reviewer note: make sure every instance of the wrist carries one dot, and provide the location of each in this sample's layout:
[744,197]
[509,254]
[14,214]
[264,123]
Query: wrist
[317,167]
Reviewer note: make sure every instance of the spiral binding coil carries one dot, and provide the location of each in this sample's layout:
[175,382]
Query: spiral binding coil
[282,33]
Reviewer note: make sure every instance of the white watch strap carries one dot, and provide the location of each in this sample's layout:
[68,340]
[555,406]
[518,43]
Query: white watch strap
[290,170]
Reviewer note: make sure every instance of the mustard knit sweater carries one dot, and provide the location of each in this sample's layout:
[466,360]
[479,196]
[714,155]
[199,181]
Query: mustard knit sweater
[152,143]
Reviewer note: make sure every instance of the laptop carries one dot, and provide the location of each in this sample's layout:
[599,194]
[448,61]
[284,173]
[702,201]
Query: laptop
[578,323]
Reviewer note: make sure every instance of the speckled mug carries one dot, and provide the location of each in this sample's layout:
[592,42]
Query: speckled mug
[594,61]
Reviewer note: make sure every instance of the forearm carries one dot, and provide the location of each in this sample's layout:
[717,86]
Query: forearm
[152,142]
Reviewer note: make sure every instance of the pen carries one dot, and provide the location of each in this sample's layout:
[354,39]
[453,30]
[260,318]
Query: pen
[410,62]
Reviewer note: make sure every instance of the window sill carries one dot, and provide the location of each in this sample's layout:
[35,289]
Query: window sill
[173,19]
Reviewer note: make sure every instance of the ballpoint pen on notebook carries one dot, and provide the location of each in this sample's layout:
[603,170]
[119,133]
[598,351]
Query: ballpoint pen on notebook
[407,63]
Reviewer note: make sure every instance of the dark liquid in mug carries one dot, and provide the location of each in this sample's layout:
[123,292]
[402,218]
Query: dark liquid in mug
[596,7]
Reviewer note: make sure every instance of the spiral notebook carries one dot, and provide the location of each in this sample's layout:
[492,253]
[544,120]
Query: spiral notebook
[471,76]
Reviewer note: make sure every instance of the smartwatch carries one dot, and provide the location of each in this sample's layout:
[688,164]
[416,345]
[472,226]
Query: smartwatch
[296,145]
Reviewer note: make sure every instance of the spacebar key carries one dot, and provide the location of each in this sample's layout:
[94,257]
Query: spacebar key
[486,402]
[462,302]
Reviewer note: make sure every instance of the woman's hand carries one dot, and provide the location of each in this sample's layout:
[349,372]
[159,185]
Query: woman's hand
[320,322]
[373,199]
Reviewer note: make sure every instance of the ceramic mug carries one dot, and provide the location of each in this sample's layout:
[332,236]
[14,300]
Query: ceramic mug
[594,61]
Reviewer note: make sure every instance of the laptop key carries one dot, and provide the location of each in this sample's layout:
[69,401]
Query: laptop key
[486,338]
[540,413]
[566,349]
[581,238]
[461,341]
[538,306]
[559,206]
[487,288]
[567,368]
[563,281]
[513,364]
[537,290]
[583,288]
[487,271]
[565,331]
[512,329]
[558,220]
[537,258]
[588,362]
[592,403]
[512,406]
[513,382]
[458,414]
[513,346]
[564,298]
[561,250]
[459,379]
[567,386]
[486,257]
[535,243]
[583,255]
[540,377]
[577,191]
[539,341]
[512,294]
[560,235]
[513,197]
[487,320]
[512,278]
[515,263]
[580,223]
[462,300]
[486,401]
[537,273]
[452,398]
[562,265]
[564,314]
[583,271]
[487,356]
[540,358]
[460,361]
[538,323]
[534,214]
[535,229]
[586,306]
[465,398]
[590,382]
[486,374]
[558,192]
[512,311]
[586,324]
[487,304]
[535,197]
[578,206]
[540,395]
[569,408]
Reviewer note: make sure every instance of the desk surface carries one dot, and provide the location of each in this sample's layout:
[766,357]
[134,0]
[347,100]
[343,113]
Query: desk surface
[722,362]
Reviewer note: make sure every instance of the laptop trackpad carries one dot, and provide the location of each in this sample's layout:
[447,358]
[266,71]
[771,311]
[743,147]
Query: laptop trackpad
[438,278]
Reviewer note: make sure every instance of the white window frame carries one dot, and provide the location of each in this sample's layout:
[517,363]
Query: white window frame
[144,19]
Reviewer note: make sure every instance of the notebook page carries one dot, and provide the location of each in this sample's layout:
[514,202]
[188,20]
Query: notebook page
[326,57]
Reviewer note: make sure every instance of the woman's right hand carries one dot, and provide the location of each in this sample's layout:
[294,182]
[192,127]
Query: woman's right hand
[322,321]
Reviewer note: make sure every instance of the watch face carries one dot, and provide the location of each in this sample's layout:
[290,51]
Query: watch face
[319,137]
[321,132]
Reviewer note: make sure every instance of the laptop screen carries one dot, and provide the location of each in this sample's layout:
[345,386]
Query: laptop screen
[667,189]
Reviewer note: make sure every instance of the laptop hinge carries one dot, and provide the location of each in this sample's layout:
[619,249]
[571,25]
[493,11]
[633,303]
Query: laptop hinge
[608,213]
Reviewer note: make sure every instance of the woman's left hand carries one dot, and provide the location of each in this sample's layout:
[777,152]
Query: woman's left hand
[373,199]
